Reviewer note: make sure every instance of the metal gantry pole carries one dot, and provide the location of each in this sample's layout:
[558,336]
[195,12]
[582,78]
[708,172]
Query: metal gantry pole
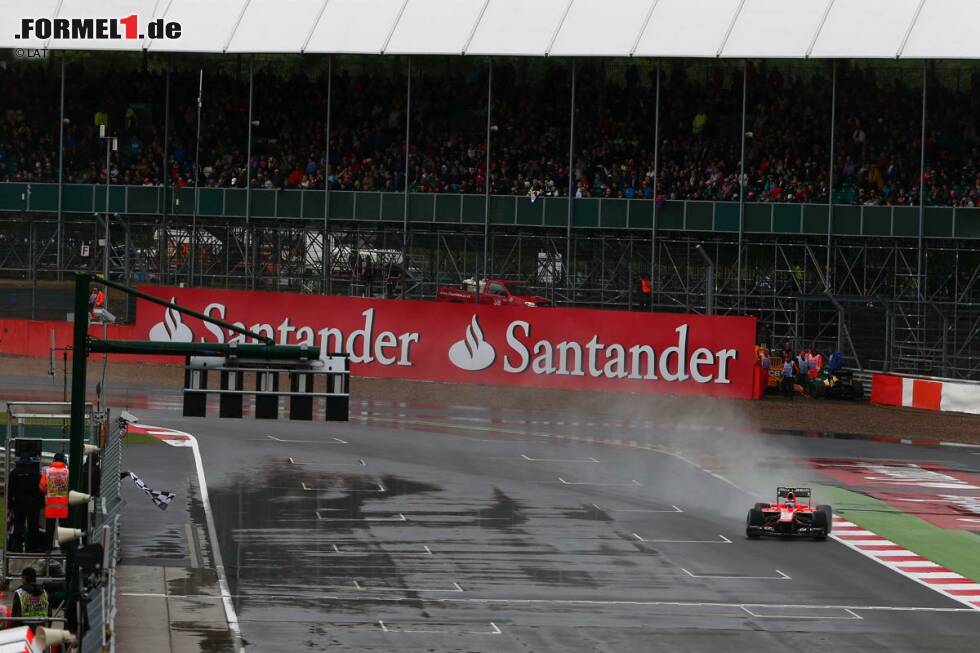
[830,174]
[325,251]
[408,141]
[108,180]
[249,260]
[571,193]
[486,198]
[922,191]
[656,182]
[742,178]
[32,249]
[164,237]
[76,514]
[197,174]
[61,169]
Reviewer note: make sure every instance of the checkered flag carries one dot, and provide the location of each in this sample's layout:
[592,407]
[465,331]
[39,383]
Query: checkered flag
[162,499]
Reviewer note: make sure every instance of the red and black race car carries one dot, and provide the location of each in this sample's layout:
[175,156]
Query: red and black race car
[790,516]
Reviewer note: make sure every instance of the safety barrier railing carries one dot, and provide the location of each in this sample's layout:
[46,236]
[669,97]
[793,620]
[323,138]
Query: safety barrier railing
[34,431]
[504,210]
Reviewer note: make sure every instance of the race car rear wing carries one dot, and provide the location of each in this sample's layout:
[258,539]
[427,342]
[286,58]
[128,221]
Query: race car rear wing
[798,492]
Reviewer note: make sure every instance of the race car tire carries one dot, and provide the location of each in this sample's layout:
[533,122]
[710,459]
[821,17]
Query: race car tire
[821,523]
[761,506]
[754,523]
[830,516]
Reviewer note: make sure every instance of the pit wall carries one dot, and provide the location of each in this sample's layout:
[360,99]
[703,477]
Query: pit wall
[569,348]
[925,393]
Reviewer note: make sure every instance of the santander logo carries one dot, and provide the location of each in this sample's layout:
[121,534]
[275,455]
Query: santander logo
[172,329]
[473,353]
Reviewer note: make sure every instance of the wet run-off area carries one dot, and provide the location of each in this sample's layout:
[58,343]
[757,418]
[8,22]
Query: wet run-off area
[454,529]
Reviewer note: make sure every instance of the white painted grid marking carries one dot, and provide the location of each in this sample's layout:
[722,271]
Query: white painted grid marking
[399,518]
[494,630]
[632,483]
[590,459]
[360,463]
[781,576]
[330,441]
[853,615]
[674,509]
[361,588]
[381,488]
[723,540]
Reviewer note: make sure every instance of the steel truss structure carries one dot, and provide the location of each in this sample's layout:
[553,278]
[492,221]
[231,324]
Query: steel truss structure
[858,295]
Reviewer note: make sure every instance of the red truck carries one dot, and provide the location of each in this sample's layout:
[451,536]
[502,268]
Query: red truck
[493,291]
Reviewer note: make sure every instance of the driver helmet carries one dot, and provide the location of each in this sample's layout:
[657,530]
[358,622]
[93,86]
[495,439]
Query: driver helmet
[790,497]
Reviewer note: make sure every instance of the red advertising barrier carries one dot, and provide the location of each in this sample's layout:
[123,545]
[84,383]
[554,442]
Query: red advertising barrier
[560,348]
[33,337]
[926,394]
[886,390]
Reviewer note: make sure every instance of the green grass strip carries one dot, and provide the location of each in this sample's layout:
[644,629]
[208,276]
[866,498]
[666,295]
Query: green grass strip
[957,550]
[140,438]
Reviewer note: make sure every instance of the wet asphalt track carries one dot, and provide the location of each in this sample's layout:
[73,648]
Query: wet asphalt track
[453,529]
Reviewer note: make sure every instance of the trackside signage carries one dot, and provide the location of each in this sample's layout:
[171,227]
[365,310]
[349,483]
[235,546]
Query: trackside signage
[559,348]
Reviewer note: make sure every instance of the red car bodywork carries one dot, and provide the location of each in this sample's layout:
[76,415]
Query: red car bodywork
[790,516]
[496,292]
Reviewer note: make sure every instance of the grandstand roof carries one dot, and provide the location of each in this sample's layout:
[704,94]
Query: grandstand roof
[907,29]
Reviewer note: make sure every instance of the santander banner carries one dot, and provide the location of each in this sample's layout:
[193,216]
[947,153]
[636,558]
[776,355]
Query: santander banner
[468,343]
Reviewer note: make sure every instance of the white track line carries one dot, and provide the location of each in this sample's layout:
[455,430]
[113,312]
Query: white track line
[675,509]
[590,459]
[494,630]
[399,518]
[723,540]
[781,576]
[597,602]
[337,440]
[360,463]
[361,588]
[632,483]
[854,616]
[381,488]
[185,440]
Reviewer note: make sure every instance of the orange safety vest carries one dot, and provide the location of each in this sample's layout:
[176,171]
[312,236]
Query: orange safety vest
[645,286]
[817,366]
[100,300]
[54,485]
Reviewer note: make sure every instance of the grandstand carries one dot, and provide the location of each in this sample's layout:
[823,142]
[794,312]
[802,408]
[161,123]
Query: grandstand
[824,153]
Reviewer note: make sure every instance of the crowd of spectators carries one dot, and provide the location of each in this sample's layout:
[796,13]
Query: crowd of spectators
[876,146]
